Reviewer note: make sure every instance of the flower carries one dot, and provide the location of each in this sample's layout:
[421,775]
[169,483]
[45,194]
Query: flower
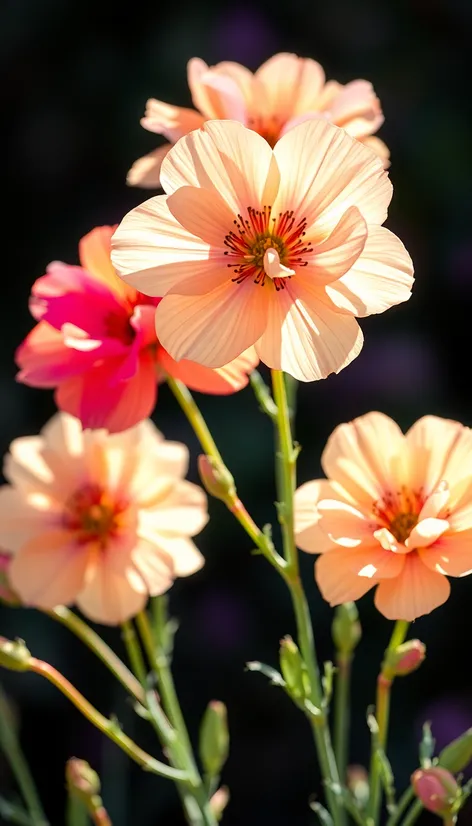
[98,519]
[274,248]
[96,342]
[284,91]
[395,512]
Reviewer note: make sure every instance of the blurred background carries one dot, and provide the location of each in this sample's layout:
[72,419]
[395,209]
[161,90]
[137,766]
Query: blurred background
[76,77]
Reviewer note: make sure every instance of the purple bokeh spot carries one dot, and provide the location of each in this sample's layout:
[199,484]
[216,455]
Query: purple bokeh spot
[460,264]
[223,619]
[449,715]
[244,34]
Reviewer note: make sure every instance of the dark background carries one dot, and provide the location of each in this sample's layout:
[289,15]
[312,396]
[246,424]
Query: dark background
[75,79]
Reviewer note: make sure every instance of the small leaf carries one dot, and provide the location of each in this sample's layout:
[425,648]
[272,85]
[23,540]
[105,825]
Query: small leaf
[273,675]
[323,815]
[312,710]
[426,746]
[348,801]
[387,779]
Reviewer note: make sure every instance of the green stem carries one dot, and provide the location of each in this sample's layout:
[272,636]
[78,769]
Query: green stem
[99,648]
[76,812]
[157,653]
[401,806]
[133,650]
[382,714]
[10,745]
[413,814]
[342,712]
[286,478]
[190,407]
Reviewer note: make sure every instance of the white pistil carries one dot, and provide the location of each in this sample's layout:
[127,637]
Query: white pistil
[272,266]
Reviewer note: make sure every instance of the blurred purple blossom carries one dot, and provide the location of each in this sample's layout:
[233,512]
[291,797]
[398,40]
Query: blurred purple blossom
[450,715]
[244,34]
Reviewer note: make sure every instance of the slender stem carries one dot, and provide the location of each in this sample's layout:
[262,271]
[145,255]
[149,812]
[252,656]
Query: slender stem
[382,713]
[262,394]
[157,653]
[402,805]
[108,727]
[341,712]
[99,648]
[101,817]
[76,812]
[10,745]
[413,814]
[286,478]
[190,407]
[134,652]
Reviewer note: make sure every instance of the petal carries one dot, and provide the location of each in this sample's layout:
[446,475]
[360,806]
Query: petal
[357,109]
[155,566]
[186,557]
[222,381]
[98,400]
[226,158]
[146,171]
[337,254]
[45,361]
[344,524]
[379,147]
[381,277]
[203,213]
[309,536]
[170,121]
[451,554]
[290,85]
[183,512]
[439,449]
[24,516]
[205,99]
[212,329]
[304,337]
[224,95]
[417,591]
[49,569]
[94,254]
[153,252]
[365,457]
[324,171]
[435,503]
[336,582]
[115,591]
[426,532]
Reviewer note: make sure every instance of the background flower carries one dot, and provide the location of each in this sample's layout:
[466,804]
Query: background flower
[395,512]
[285,90]
[96,342]
[279,249]
[101,520]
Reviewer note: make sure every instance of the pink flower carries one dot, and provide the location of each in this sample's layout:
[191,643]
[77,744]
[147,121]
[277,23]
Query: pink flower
[279,249]
[394,512]
[98,519]
[437,789]
[96,343]
[284,91]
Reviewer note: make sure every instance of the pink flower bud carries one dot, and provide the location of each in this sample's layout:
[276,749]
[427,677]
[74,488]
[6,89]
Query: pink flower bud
[436,788]
[219,801]
[403,659]
[216,478]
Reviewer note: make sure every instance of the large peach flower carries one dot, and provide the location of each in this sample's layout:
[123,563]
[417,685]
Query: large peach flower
[395,511]
[96,343]
[97,519]
[285,90]
[279,249]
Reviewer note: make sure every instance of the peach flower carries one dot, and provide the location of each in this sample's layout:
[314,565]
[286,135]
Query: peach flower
[284,91]
[96,343]
[395,511]
[97,519]
[279,249]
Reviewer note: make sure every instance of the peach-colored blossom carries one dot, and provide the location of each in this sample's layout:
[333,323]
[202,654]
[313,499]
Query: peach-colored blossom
[96,343]
[97,519]
[279,249]
[285,90]
[395,511]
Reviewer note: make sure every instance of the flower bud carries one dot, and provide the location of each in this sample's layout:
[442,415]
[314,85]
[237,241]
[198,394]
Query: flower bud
[358,784]
[219,801]
[346,629]
[7,594]
[458,754]
[214,738]
[403,659]
[14,655]
[82,781]
[216,478]
[437,789]
[292,668]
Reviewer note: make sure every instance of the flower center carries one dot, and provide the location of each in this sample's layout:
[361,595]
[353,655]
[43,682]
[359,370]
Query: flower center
[402,525]
[262,245]
[398,511]
[93,514]
[268,127]
[118,324]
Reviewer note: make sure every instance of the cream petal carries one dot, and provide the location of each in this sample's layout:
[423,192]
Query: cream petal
[170,121]
[337,583]
[212,329]
[155,566]
[345,525]
[366,457]
[226,92]
[114,591]
[435,503]
[324,172]
[203,97]
[182,512]
[289,85]
[24,516]
[146,171]
[307,340]
[450,555]
[379,147]
[381,277]
[153,252]
[388,541]
[202,213]
[337,254]
[439,449]
[357,109]
[186,557]
[49,569]
[243,77]
[309,536]
[426,532]
[226,158]
[417,591]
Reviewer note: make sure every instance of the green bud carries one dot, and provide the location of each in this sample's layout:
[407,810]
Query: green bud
[292,668]
[458,754]
[346,629]
[14,655]
[216,478]
[82,781]
[214,738]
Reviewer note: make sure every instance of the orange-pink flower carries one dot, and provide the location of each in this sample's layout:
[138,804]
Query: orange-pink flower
[279,249]
[284,91]
[96,343]
[395,511]
[97,519]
